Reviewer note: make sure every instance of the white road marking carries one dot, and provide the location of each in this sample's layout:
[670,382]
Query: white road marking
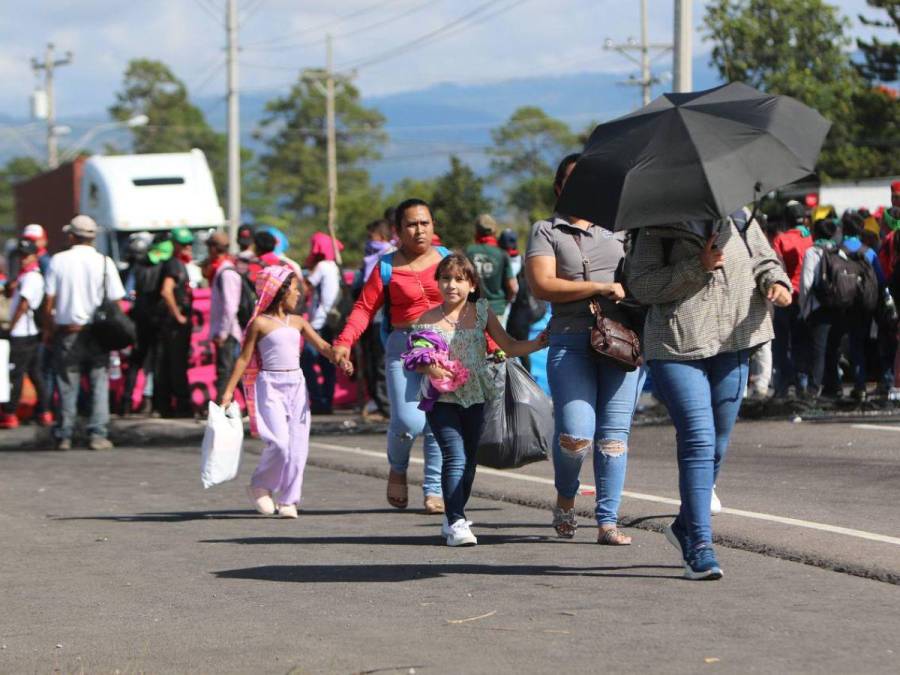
[877,427]
[795,522]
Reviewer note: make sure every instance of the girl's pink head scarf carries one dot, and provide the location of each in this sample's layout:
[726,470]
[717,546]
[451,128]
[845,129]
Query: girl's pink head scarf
[268,282]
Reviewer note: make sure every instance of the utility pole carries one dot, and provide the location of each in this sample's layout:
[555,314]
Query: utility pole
[331,141]
[234,138]
[682,65]
[328,90]
[48,66]
[647,80]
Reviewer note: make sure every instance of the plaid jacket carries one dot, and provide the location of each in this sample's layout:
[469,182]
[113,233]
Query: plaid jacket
[694,314]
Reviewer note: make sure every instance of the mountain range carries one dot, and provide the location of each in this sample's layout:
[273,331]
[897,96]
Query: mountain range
[427,125]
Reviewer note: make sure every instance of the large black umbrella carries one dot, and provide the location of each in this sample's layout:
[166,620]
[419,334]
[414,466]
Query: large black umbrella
[694,156]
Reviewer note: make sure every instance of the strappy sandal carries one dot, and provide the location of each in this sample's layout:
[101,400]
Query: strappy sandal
[613,537]
[565,522]
[397,491]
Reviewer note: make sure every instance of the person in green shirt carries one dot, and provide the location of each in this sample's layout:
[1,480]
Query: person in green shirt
[495,273]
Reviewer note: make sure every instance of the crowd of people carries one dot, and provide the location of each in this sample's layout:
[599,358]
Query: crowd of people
[431,321]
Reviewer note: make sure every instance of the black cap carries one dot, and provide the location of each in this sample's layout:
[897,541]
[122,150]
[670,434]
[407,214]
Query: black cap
[26,247]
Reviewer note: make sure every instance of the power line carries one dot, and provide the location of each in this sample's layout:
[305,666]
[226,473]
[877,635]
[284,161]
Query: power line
[216,69]
[210,11]
[250,10]
[433,35]
[356,31]
[314,29]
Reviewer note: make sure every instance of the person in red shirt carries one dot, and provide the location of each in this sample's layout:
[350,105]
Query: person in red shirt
[790,347]
[411,291]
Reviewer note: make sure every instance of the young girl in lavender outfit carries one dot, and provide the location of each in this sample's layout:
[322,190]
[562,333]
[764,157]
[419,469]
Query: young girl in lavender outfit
[275,390]
[456,416]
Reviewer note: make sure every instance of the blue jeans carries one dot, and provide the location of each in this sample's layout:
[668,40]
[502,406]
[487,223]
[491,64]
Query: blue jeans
[407,421]
[593,405]
[74,354]
[703,398]
[457,430]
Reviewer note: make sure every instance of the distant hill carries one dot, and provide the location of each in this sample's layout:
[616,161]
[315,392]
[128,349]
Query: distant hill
[427,125]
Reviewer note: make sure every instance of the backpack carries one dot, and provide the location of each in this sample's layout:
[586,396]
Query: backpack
[526,309]
[846,280]
[247,303]
[386,269]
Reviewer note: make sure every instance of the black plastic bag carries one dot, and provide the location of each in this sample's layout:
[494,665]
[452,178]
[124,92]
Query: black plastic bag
[518,422]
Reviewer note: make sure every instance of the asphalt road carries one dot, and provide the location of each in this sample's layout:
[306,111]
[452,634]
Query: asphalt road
[120,561]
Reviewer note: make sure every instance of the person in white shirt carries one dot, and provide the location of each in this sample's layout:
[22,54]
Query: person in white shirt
[74,289]
[25,337]
[325,285]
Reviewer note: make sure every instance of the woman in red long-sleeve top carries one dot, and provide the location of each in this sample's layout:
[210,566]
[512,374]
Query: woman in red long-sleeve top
[412,291]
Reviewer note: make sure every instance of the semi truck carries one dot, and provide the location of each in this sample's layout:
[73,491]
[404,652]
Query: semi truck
[124,194]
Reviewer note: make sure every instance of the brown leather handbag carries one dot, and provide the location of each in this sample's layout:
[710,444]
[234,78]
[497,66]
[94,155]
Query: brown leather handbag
[614,342]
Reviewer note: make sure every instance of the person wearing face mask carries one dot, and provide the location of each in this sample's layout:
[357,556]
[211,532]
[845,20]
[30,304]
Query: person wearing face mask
[410,290]
[171,393]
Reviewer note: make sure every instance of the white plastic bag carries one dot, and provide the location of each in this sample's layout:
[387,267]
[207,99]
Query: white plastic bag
[4,371]
[222,441]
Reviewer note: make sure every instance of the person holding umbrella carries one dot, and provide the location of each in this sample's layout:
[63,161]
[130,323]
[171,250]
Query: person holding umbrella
[678,168]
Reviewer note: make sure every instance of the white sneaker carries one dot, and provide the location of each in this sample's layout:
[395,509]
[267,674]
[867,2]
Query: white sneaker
[459,534]
[715,506]
[445,527]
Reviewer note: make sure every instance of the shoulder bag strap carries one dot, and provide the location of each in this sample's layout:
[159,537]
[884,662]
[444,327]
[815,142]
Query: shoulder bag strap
[586,263]
[105,296]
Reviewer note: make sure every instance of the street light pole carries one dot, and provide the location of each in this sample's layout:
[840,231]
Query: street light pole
[48,66]
[682,62]
[331,150]
[234,140]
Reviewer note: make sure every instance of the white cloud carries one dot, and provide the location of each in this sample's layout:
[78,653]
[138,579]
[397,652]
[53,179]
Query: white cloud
[536,37]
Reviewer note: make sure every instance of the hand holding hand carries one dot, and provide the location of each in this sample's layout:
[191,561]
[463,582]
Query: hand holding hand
[710,257]
[346,365]
[779,295]
[339,353]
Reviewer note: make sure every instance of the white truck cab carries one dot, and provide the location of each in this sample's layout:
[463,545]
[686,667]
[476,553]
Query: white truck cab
[125,194]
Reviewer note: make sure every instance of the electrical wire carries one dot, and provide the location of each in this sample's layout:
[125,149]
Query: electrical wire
[211,12]
[456,26]
[331,22]
[250,11]
[356,31]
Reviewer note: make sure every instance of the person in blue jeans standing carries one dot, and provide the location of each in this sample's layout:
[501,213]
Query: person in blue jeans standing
[710,288]
[569,263]
[410,290]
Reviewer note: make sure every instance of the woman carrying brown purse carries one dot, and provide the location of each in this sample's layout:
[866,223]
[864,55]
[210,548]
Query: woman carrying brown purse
[569,263]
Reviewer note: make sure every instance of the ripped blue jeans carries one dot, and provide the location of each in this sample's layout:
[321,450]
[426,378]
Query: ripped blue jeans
[593,405]
[407,421]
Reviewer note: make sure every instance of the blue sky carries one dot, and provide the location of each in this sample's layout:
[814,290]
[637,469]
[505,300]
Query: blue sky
[502,39]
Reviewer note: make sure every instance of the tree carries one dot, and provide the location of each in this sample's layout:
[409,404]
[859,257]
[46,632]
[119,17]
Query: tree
[457,202]
[798,48]
[526,150]
[293,169]
[16,170]
[176,125]
[881,59]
